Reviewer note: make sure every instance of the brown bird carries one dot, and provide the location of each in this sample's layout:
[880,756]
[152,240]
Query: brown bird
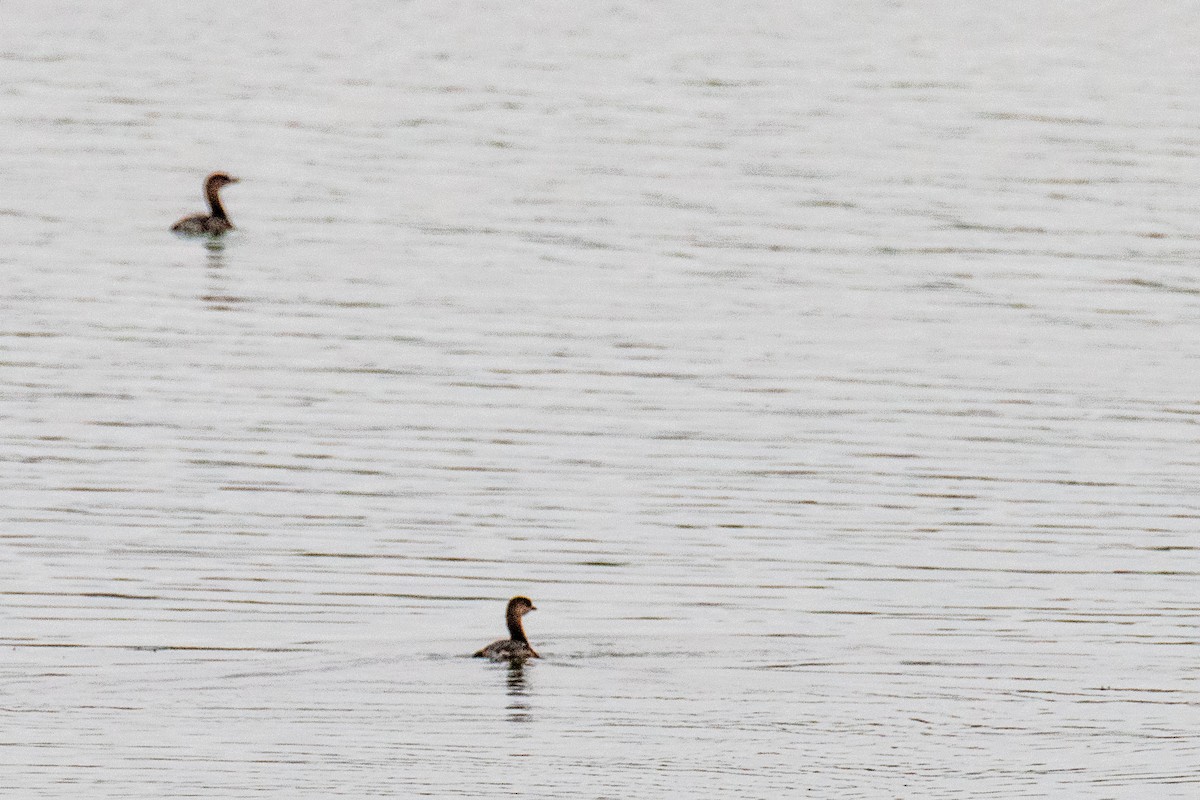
[516,648]
[213,224]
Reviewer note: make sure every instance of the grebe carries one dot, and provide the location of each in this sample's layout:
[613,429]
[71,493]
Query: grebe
[516,648]
[213,224]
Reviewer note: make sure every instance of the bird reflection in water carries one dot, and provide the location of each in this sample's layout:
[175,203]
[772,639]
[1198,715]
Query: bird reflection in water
[216,295]
[216,253]
[518,692]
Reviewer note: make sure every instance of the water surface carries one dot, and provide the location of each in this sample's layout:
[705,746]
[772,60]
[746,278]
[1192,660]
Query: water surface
[826,375]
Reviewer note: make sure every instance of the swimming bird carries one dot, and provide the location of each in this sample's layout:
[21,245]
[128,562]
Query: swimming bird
[213,224]
[516,648]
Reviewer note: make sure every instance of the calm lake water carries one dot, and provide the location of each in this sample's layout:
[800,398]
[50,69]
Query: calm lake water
[828,375]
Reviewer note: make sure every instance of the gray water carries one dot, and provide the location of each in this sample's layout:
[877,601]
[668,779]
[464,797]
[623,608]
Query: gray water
[827,375]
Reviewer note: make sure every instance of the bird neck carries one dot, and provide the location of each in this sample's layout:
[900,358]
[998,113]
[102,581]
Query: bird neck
[214,201]
[515,629]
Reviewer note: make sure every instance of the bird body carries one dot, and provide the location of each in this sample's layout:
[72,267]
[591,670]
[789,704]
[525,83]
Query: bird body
[517,647]
[217,221]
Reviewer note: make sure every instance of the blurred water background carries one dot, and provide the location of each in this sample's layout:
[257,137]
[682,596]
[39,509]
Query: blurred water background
[826,373]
